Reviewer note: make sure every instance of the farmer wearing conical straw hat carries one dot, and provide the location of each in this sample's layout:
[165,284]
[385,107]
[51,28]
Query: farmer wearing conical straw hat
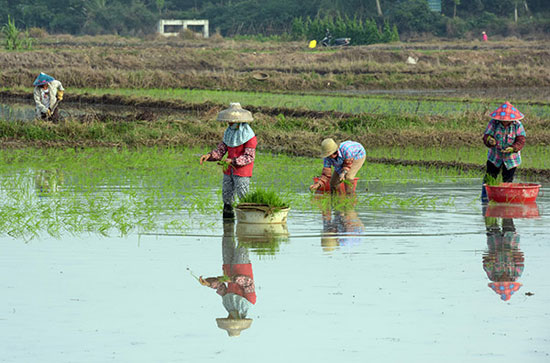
[239,142]
[505,137]
[236,286]
[48,92]
[346,158]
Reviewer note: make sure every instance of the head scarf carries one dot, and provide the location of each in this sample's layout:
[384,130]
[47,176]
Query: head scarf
[42,79]
[234,136]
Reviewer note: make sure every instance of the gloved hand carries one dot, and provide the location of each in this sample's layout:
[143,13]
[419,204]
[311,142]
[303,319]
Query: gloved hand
[491,140]
[508,150]
[59,95]
[48,113]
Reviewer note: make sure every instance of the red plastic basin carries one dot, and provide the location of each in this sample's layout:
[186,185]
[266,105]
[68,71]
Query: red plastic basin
[513,192]
[325,188]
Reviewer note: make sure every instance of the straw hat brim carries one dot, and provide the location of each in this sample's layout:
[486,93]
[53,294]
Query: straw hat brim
[235,113]
[233,326]
[260,76]
[328,147]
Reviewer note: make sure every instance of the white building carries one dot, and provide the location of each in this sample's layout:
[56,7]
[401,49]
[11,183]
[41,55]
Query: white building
[174,27]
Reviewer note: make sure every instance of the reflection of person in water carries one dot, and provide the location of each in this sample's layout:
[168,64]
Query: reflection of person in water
[236,286]
[341,228]
[503,260]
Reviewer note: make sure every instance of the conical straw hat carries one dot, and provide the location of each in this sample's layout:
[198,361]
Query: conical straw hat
[235,113]
[233,326]
[506,112]
[328,147]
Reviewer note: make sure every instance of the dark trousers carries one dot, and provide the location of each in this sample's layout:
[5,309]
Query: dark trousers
[507,174]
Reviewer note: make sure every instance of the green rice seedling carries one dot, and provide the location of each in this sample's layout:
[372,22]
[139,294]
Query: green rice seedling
[266,197]
[225,165]
[224,278]
[492,181]
[268,246]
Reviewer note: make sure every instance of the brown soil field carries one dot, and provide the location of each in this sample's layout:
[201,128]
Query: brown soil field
[113,62]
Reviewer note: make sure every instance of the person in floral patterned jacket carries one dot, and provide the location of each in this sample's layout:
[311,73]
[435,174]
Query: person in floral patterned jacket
[239,143]
[505,137]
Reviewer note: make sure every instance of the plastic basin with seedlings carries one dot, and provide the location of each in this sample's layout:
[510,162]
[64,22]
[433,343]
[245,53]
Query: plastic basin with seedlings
[513,192]
[260,213]
[325,187]
[262,207]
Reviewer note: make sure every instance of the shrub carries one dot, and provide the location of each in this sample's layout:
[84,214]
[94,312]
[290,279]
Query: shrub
[38,32]
[15,39]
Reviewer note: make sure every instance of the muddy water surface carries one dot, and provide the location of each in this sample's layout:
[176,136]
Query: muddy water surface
[381,285]
[24,111]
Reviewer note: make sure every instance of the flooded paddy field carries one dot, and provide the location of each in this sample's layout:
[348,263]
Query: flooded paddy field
[98,245]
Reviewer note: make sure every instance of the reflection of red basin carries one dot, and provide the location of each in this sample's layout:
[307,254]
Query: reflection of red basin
[325,188]
[513,192]
[527,210]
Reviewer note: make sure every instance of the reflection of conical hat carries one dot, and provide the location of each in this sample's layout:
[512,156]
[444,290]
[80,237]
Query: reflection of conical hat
[506,112]
[233,326]
[505,288]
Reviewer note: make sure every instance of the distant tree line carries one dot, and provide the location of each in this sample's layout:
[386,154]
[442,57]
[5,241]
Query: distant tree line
[277,17]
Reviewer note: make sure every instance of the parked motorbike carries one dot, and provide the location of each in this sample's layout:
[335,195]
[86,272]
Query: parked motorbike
[328,41]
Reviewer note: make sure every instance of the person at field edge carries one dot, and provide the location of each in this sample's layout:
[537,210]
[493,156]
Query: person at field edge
[236,286]
[505,137]
[484,36]
[239,142]
[346,158]
[48,92]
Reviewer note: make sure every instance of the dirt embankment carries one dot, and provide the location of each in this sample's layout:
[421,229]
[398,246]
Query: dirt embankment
[231,65]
